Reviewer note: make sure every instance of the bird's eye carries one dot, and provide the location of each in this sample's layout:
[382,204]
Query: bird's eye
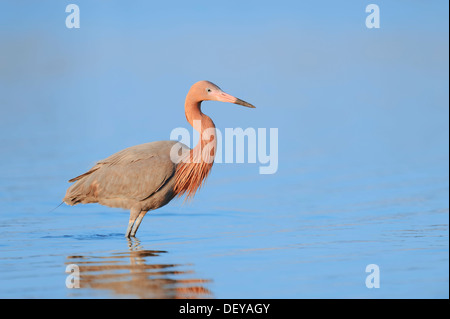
[208,90]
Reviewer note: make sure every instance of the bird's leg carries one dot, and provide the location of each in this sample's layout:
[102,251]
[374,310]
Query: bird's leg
[134,213]
[138,222]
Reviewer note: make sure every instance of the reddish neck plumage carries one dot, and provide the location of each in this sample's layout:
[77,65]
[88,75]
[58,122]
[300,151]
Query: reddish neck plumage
[191,173]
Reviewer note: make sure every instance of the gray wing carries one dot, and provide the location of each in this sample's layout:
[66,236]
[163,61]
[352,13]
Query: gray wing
[133,173]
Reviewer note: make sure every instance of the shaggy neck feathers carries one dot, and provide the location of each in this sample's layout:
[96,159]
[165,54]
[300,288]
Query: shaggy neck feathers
[192,171]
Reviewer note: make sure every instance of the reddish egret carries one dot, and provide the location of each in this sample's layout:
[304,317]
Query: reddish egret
[145,177]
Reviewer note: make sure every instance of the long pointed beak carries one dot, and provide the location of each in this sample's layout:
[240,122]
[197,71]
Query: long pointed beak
[225,97]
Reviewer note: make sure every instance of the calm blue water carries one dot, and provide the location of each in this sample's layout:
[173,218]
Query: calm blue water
[363,160]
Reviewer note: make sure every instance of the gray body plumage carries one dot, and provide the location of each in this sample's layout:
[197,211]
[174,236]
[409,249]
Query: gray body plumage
[139,178]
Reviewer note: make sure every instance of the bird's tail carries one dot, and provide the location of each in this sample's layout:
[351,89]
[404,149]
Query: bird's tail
[56,207]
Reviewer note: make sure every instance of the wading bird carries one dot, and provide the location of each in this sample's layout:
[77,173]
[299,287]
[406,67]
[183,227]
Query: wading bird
[145,177]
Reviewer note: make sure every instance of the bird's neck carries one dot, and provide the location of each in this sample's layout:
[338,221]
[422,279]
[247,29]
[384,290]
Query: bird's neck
[203,124]
[193,170]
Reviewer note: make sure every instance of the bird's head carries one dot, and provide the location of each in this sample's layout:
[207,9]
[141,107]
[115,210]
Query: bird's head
[208,91]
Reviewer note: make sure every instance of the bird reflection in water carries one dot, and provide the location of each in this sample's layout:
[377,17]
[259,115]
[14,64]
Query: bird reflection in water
[135,274]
